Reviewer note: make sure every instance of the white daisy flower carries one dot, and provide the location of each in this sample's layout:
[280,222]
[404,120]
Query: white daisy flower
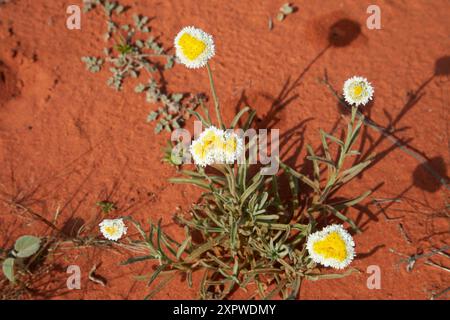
[332,247]
[232,147]
[358,91]
[204,148]
[194,47]
[113,229]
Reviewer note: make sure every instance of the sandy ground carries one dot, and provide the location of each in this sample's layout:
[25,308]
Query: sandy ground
[68,141]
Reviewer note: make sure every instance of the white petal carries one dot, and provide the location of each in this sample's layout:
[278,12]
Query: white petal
[329,262]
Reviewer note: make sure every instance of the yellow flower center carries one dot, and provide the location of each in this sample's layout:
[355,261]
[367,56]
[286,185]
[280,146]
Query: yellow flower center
[332,246]
[111,230]
[210,139]
[191,46]
[357,90]
[200,150]
[231,145]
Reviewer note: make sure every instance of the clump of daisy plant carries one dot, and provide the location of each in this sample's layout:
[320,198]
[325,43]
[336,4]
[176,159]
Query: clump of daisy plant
[249,234]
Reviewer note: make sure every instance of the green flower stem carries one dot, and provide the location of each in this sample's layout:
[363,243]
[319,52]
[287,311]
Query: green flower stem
[214,94]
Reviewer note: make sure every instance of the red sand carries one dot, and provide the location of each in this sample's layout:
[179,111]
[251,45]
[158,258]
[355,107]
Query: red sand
[67,140]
